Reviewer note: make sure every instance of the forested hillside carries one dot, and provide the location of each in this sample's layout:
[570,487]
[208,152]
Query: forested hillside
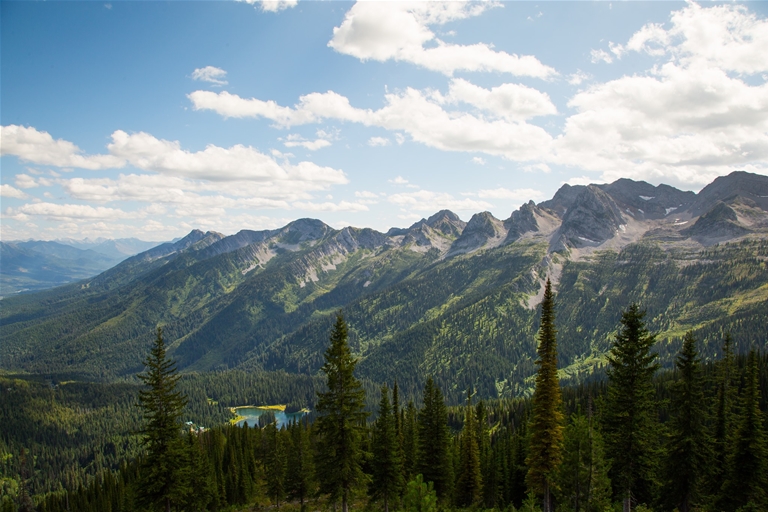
[443,297]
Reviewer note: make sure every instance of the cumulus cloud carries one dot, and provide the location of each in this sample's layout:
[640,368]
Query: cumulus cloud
[518,194]
[31,145]
[342,206]
[294,140]
[400,31]
[273,5]
[478,160]
[378,141]
[365,194]
[71,211]
[210,74]
[578,77]
[601,56]
[428,201]
[690,118]
[9,191]
[501,130]
[399,180]
[514,102]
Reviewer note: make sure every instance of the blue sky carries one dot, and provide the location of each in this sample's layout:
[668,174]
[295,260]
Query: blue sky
[150,119]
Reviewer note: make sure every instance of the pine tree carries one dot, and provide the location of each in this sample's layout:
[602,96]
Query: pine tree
[300,475]
[276,463]
[724,413]
[434,462]
[630,422]
[410,441]
[469,483]
[420,496]
[688,452]
[341,423]
[162,406]
[583,479]
[746,482]
[387,466]
[546,429]
[488,463]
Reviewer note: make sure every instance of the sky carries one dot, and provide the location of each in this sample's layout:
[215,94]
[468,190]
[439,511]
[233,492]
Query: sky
[149,119]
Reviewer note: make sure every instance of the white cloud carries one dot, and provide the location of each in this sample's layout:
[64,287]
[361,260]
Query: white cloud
[519,194]
[428,201]
[583,180]
[378,141]
[539,167]
[210,74]
[578,77]
[343,206]
[478,160]
[689,119]
[601,56]
[295,140]
[418,113]
[364,194]
[71,211]
[9,191]
[25,181]
[400,138]
[399,181]
[399,31]
[40,148]
[514,102]
[273,5]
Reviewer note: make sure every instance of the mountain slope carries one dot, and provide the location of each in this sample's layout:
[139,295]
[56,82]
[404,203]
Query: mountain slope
[442,297]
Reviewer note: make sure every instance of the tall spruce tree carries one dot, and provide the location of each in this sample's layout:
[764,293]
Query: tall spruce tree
[746,481]
[276,463]
[410,441]
[387,467]
[727,393]
[341,424]
[469,483]
[546,428]
[301,469]
[630,417]
[688,450]
[434,461]
[162,406]
[583,476]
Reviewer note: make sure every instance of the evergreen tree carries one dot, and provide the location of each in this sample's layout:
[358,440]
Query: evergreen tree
[726,401]
[300,475]
[746,482]
[419,496]
[688,452]
[162,406]
[199,485]
[469,483]
[276,462]
[583,475]
[387,465]
[410,441]
[341,423]
[488,463]
[630,422]
[546,429]
[434,462]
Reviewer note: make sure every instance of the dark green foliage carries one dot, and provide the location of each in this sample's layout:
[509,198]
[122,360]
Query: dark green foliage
[341,422]
[410,441]
[420,496]
[546,428]
[469,484]
[688,449]
[583,475]
[746,480]
[387,483]
[163,484]
[434,461]
[629,411]
[277,461]
[727,391]
[300,476]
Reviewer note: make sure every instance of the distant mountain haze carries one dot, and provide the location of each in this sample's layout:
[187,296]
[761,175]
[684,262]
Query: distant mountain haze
[452,299]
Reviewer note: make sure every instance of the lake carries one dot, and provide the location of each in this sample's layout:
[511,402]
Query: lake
[251,416]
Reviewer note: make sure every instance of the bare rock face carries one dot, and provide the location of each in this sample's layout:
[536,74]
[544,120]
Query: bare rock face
[747,185]
[593,218]
[563,199]
[644,201]
[482,230]
[719,223]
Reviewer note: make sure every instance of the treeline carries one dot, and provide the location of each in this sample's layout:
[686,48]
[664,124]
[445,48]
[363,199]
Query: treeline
[692,438]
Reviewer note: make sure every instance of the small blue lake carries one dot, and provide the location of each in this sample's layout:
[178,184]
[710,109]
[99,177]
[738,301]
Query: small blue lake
[252,414]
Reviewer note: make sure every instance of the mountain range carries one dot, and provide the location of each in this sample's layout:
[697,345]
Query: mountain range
[452,299]
[34,265]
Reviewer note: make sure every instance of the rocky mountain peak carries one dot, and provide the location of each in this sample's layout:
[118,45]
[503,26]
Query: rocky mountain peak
[738,183]
[593,218]
[482,230]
